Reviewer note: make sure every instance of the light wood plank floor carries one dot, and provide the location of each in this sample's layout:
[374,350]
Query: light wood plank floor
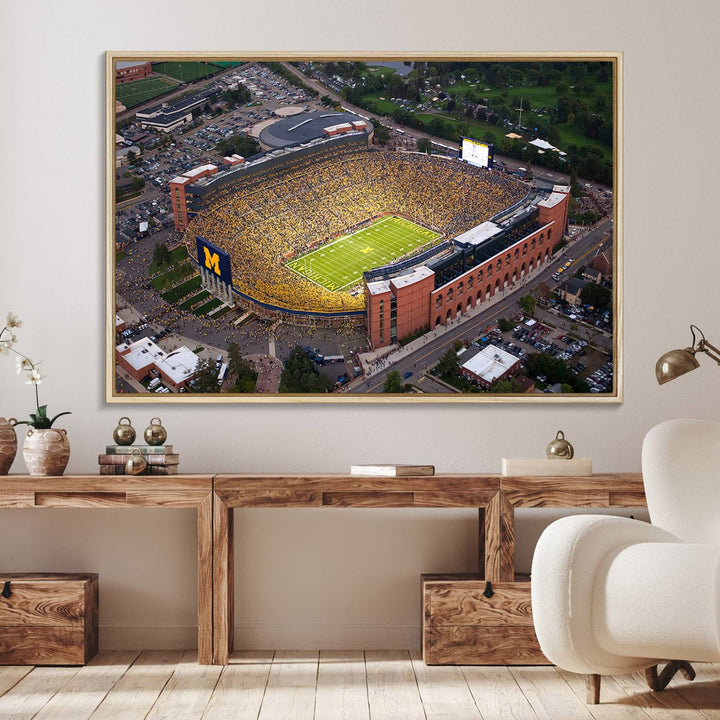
[350,685]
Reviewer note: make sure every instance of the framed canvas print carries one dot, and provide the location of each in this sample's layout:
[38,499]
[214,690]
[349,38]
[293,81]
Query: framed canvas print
[331,228]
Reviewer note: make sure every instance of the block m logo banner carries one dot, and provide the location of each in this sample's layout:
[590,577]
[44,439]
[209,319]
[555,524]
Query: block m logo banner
[212,258]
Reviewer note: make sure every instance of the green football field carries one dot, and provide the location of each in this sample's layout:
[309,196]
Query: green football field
[133,93]
[186,71]
[341,263]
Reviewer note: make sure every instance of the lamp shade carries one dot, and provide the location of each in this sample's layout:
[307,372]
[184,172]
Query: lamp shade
[675,363]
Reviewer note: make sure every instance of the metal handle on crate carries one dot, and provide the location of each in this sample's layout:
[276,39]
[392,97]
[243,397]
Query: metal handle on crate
[488,591]
[6,592]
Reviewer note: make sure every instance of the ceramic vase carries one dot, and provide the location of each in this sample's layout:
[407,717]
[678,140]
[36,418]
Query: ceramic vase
[46,451]
[8,445]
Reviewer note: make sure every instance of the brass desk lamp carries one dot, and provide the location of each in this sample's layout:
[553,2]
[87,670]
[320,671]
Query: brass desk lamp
[677,362]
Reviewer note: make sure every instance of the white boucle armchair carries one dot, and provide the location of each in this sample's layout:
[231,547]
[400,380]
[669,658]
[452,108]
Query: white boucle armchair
[613,595]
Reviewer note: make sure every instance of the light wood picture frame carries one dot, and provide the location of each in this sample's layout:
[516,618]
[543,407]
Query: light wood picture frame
[381,227]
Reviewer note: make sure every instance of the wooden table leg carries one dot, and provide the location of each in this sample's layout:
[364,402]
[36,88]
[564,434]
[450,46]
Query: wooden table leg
[205,580]
[499,519]
[223,581]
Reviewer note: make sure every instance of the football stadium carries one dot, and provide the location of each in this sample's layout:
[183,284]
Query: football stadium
[306,228]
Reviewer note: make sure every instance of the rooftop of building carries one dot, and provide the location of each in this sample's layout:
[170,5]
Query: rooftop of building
[574,285]
[412,277]
[545,145]
[378,287]
[479,234]
[140,353]
[558,195]
[288,111]
[194,172]
[179,106]
[305,127]
[167,119]
[490,363]
[177,365]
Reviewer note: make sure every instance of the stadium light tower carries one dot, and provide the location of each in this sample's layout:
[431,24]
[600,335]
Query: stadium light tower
[520,115]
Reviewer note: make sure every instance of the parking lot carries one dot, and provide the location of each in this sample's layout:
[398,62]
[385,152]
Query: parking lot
[194,144]
[586,362]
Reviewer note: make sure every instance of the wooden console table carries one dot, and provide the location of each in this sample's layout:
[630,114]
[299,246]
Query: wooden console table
[126,491]
[495,497]
[215,497]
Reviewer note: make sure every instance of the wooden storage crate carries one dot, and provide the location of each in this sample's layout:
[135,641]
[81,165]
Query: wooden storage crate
[461,626]
[48,618]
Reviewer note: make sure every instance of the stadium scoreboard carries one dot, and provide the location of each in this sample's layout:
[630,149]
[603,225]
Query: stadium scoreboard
[476,153]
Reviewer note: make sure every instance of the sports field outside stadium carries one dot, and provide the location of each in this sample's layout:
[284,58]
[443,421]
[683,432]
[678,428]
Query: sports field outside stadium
[341,263]
[186,71]
[138,91]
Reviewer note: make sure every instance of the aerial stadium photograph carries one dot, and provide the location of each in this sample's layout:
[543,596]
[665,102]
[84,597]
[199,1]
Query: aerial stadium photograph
[355,229]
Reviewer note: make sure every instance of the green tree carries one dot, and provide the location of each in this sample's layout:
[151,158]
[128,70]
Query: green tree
[596,295]
[575,189]
[555,370]
[300,375]
[137,184]
[510,385]
[393,383]
[505,325]
[205,380]
[239,96]
[245,374]
[161,254]
[528,304]
[448,366]
[131,157]
[424,145]
[382,133]
[236,144]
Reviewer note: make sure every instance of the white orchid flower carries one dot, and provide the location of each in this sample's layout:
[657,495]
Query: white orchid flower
[13,320]
[35,377]
[23,364]
[28,370]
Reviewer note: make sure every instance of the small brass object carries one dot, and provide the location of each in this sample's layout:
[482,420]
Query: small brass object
[136,463]
[155,433]
[124,433]
[560,448]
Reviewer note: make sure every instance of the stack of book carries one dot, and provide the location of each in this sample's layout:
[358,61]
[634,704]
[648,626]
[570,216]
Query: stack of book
[160,459]
[392,470]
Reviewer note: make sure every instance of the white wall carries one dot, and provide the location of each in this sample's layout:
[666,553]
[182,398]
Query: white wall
[331,578]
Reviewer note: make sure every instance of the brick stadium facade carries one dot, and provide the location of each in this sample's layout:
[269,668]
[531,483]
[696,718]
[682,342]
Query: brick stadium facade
[485,261]
[127,72]
[178,192]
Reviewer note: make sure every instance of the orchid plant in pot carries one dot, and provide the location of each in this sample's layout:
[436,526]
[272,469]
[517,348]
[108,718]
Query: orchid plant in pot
[46,449]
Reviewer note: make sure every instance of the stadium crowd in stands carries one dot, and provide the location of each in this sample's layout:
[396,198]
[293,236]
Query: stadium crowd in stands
[263,220]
